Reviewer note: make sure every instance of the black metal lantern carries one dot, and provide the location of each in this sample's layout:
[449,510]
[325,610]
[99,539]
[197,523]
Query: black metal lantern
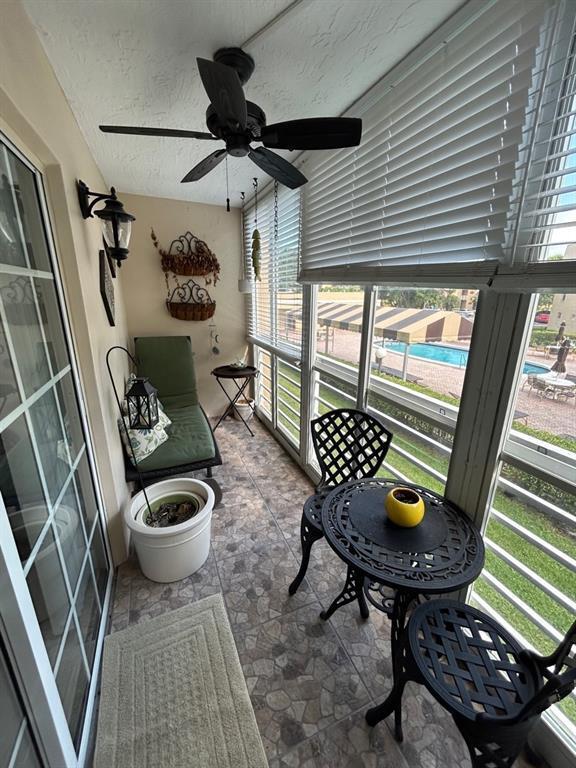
[142,402]
[116,222]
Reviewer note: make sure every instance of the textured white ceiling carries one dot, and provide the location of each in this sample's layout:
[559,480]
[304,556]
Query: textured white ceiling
[132,62]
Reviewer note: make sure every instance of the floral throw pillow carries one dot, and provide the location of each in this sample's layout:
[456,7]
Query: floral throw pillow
[145,441]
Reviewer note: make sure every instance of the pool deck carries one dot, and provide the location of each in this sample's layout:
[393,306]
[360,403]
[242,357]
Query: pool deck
[555,416]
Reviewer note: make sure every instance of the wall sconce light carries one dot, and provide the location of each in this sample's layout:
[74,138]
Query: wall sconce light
[116,222]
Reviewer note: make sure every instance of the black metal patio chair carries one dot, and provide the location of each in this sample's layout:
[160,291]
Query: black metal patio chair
[349,445]
[493,688]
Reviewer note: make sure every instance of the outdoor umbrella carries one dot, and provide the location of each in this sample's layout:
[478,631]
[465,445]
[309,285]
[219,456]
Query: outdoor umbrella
[560,335]
[560,364]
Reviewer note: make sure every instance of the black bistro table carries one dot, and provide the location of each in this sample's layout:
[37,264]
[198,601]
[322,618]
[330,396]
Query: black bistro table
[392,566]
[244,374]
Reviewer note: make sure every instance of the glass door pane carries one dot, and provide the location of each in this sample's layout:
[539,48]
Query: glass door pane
[45,477]
[17,747]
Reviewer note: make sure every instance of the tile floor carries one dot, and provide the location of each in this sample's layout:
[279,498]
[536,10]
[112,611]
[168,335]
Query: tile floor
[310,681]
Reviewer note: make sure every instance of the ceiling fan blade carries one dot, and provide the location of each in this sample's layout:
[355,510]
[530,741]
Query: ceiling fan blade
[277,167]
[313,133]
[205,166]
[135,130]
[225,92]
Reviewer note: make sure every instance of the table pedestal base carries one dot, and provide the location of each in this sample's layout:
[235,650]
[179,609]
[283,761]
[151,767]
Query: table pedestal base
[353,590]
[393,703]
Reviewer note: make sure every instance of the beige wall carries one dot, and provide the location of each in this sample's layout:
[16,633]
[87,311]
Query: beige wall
[37,119]
[145,289]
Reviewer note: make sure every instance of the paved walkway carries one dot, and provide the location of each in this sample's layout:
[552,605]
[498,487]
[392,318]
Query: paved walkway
[555,416]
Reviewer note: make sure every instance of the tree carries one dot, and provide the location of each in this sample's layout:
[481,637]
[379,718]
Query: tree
[419,298]
[545,301]
[451,301]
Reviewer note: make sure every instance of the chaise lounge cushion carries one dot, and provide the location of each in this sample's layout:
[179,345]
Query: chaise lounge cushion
[168,361]
[189,438]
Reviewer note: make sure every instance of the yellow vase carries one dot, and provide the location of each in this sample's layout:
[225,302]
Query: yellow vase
[404,507]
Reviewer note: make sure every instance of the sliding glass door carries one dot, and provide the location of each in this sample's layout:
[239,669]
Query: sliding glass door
[54,559]
[17,745]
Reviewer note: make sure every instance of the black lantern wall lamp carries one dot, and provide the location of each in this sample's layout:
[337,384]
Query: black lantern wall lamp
[116,222]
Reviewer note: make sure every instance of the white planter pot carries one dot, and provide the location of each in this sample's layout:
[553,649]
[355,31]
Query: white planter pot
[177,551]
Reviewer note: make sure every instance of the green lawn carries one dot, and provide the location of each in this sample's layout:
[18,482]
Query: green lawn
[532,519]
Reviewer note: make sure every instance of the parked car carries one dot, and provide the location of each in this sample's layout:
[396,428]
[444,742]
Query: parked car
[542,317]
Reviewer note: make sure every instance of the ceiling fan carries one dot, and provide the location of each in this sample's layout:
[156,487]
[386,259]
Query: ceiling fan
[238,122]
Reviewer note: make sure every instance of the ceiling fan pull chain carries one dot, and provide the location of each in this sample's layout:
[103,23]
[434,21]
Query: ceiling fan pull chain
[255,185]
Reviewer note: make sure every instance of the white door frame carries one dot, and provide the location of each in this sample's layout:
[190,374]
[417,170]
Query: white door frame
[18,622]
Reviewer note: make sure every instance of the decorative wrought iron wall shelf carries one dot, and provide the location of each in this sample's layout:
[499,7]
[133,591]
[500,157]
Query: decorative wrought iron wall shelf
[188,256]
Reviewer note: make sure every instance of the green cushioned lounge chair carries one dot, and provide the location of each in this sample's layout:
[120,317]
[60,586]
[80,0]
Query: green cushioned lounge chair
[168,362]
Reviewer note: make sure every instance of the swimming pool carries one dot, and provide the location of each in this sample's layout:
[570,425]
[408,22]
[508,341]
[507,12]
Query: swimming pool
[449,355]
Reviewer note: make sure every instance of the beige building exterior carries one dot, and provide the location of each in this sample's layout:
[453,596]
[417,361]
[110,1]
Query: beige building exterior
[563,310]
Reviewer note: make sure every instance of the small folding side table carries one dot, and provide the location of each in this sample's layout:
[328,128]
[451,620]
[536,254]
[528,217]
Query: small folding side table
[241,378]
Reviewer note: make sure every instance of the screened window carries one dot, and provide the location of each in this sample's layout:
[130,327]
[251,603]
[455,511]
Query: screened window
[277,294]
[431,180]
[546,206]
[530,576]
[275,321]
[339,324]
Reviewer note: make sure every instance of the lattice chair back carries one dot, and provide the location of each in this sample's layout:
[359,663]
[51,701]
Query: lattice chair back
[349,445]
[559,673]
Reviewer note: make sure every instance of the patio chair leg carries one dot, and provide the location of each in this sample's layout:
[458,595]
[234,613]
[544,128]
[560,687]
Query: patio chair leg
[208,471]
[308,535]
[490,745]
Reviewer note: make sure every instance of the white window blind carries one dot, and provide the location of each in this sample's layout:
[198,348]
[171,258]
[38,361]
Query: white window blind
[431,180]
[277,296]
[544,208]
[260,323]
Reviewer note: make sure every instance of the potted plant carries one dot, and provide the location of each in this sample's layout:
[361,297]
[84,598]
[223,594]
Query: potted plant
[171,536]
